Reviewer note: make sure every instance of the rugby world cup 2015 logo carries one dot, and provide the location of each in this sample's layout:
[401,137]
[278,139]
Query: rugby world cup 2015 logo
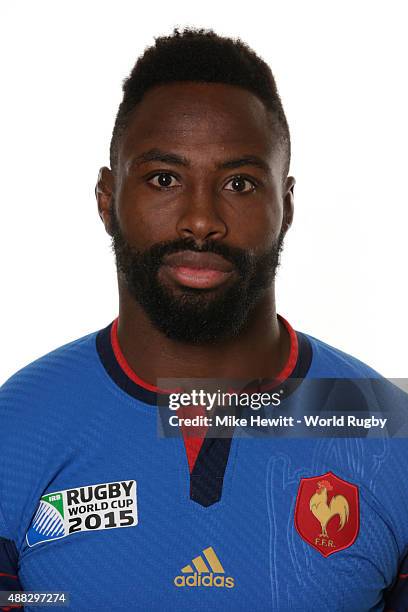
[109,505]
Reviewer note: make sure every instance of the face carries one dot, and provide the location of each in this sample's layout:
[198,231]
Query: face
[197,208]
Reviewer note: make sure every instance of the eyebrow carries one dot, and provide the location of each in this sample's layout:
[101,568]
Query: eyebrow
[162,156]
[246,160]
[179,160]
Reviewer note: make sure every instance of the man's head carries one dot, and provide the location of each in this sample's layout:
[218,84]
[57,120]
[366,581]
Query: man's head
[197,200]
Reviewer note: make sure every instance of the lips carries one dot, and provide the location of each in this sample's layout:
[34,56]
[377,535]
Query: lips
[198,261]
[197,270]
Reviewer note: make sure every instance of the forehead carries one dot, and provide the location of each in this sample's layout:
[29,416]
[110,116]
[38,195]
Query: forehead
[199,119]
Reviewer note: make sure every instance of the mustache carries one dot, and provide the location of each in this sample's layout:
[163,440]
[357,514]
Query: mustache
[239,258]
[153,256]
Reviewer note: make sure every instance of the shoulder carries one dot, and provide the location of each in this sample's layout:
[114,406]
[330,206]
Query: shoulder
[60,361]
[328,361]
[356,387]
[44,407]
[49,380]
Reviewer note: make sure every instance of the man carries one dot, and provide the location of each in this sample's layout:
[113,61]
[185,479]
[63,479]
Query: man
[92,501]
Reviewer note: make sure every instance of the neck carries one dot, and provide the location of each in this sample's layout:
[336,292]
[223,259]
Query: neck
[260,351]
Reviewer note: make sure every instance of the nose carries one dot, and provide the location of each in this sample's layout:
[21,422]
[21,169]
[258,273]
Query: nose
[200,218]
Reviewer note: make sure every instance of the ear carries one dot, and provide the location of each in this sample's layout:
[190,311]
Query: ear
[104,196]
[288,203]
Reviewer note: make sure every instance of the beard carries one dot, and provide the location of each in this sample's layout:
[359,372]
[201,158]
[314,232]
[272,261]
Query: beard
[189,315]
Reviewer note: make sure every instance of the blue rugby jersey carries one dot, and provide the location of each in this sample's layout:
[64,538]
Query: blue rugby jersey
[94,503]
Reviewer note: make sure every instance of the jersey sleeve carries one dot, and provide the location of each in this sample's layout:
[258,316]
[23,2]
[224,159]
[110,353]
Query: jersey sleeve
[9,580]
[8,563]
[396,598]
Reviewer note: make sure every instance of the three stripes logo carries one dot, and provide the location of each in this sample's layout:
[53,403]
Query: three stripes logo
[205,570]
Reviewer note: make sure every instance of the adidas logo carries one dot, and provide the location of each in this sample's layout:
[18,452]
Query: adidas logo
[205,570]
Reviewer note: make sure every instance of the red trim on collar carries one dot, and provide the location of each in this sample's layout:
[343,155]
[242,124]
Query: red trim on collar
[285,372]
[289,366]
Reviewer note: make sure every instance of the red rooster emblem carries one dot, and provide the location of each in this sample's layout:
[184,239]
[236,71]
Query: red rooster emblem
[324,511]
[315,500]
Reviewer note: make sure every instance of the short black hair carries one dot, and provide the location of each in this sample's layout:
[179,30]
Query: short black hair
[202,56]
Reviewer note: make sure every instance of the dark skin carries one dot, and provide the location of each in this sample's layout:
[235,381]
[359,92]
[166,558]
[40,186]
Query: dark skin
[204,125]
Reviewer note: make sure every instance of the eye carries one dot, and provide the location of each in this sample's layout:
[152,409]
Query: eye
[163,180]
[240,184]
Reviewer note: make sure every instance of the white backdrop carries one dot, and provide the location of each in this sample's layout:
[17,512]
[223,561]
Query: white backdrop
[340,67]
